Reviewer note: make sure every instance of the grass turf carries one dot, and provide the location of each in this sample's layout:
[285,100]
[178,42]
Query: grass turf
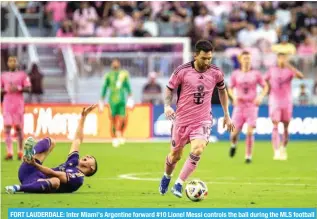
[231,182]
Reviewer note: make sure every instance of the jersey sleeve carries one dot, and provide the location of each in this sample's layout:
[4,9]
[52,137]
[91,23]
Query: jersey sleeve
[220,82]
[73,159]
[26,81]
[105,86]
[175,80]
[260,79]
[127,84]
[233,82]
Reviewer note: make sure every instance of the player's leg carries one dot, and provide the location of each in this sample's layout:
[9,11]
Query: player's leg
[238,121]
[20,136]
[251,118]
[199,137]
[121,122]
[39,150]
[114,124]
[8,142]
[286,118]
[38,186]
[179,140]
[275,114]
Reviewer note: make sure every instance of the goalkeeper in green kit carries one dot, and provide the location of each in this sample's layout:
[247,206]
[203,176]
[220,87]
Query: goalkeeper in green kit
[117,81]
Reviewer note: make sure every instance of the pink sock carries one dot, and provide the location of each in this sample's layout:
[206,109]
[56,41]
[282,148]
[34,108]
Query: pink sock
[275,138]
[285,139]
[8,141]
[189,166]
[169,166]
[249,145]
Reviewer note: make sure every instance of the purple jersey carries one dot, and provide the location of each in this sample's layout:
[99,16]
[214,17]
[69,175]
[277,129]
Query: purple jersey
[245,84]
[75,178]
[194,91]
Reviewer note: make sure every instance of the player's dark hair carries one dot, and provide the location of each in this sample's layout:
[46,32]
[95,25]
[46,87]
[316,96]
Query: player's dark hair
[203,45]
[281,54]
[245,53]
[96,168]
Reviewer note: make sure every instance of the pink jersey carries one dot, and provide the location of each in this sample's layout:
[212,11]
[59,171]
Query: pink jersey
[13,102]
[58,9]
[245,84]
[194,90]
[280,81]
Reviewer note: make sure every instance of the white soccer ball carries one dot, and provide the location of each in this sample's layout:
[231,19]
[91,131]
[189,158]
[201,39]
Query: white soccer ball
[196,190]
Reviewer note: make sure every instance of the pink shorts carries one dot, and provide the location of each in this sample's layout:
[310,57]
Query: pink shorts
[13,119]
[182,135]
[241,115]
[281,114]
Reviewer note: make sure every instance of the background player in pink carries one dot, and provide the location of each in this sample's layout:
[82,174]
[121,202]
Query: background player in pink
[280,101]
[13,84]
[195,82]
[246,102]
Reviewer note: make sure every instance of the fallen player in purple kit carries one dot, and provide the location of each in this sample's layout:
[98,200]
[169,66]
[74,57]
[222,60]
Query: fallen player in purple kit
[66,178]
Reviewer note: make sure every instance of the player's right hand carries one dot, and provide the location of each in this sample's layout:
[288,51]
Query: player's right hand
[169,112]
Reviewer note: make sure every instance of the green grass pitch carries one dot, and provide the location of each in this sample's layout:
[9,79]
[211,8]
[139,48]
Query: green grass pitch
[129,177]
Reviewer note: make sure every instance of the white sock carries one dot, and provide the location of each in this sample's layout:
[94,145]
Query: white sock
[167,176]
[17,187]
[179,181]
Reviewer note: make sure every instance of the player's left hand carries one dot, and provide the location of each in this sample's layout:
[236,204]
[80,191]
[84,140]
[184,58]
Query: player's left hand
[87,110]
[228,123]
[13,89]
[258,100]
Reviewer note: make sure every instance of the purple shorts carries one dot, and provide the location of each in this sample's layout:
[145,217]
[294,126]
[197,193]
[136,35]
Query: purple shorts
[29,174]
[182,135]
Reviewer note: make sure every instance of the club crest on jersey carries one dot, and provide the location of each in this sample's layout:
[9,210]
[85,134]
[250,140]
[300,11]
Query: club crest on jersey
[200,88]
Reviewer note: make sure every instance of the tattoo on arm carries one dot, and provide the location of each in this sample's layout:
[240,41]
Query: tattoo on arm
[168,97]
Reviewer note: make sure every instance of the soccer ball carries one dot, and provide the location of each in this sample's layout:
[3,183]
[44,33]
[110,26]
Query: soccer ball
[196,190]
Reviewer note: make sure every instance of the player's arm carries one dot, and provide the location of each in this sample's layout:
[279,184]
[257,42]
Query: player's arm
[80,129]
[103,92]
[127,87]
[298,74]
[48,171]
[169,111]
[231,87]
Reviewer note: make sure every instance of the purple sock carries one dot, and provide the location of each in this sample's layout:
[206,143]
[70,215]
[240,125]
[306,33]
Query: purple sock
[37,187]
[42,146]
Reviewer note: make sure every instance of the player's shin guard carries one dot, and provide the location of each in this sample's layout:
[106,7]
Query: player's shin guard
[8,141]
[42,145]
[249,146]
[189,167]
[37,187]
[275,138]
[169,166]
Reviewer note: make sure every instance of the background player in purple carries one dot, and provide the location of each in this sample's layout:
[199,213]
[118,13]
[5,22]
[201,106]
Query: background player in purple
[195,82]
[280,101]
[66,178]
[13,83]
[245,100]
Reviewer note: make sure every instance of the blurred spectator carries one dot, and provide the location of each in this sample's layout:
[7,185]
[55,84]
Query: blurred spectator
[308,18]
[4,20]
[36,79]
[268,11]
[314,34]
[314,94]
[152,91]
[56,13]
[303,98]
[284,47]
[66,30]
[145,9]
[283,15]
[247,37]
[123,24]
[85,18]
[202,19]
[306,51]
[291,30]
[236,20]
[105,30]
[267,33]
[225,40]
[139,31]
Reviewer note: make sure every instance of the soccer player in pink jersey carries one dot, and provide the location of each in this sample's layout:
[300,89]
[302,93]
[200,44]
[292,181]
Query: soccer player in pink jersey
[280,101]
[195,82]
[13,84]
[245,100]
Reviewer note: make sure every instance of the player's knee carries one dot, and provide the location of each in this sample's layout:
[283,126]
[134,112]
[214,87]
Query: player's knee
[198,149]
[52,142]
[175,156]
[55,183]
[18,129]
